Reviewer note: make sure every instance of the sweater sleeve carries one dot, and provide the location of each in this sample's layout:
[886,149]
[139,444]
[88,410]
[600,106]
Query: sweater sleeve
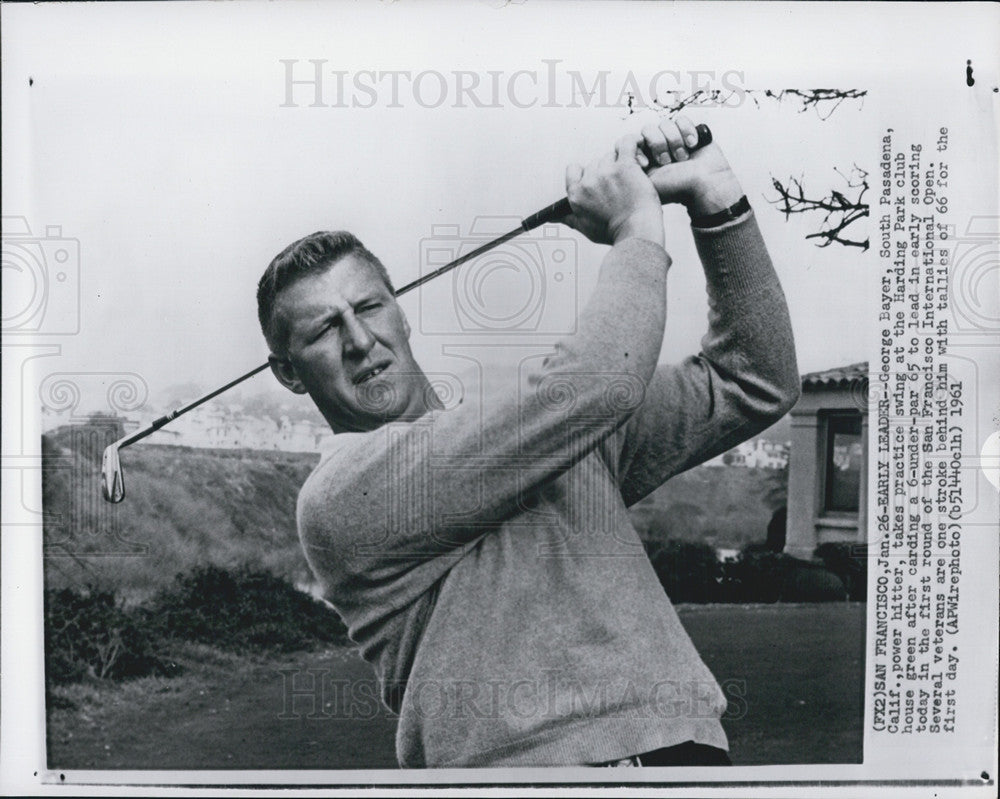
[744,379]
[408,498]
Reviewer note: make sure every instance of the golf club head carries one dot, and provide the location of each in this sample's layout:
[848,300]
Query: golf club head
[112,477]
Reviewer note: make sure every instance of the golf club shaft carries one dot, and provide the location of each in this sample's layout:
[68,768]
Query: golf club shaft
[163,420]
[550,213]
[167,418]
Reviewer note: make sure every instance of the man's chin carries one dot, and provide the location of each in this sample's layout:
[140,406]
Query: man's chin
[366,406]
[381,403]
[377,397]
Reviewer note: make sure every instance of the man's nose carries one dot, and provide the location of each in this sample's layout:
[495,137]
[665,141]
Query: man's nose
[357,338]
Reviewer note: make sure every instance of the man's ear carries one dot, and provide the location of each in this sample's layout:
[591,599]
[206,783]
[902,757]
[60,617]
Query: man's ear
[406,323]
[286,374]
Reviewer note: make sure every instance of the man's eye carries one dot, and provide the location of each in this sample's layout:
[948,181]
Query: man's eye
[369,306]
[324,330]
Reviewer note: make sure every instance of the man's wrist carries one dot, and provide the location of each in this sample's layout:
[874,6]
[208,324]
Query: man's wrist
[735,211]
[715,195]
[641,226]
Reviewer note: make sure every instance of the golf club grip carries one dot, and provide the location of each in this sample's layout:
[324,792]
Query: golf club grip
[561,208]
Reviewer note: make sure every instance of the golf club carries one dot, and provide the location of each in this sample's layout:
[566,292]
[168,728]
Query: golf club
[112,476]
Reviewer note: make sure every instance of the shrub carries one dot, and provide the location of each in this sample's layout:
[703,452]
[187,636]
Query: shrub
[90,634]
[850,563]
[689,571]
[757,574]
[242,609]
[810,582]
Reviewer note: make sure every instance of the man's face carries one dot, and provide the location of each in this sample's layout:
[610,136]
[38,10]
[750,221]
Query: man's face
[348,347]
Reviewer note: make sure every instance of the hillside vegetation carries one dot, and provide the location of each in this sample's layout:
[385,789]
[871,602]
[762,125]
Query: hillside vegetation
[184,508]
[204,551]
[725,506]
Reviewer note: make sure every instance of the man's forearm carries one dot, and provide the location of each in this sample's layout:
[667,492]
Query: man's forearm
[744,379]
[750,332]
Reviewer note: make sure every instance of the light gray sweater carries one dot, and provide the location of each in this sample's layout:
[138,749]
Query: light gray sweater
[483,559]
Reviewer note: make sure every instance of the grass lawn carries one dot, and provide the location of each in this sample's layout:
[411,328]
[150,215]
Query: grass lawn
[800,669]
[803,671]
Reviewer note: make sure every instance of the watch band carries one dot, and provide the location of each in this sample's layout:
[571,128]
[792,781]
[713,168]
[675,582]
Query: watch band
[734,211]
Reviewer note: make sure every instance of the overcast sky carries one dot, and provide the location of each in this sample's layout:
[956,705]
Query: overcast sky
[157,138]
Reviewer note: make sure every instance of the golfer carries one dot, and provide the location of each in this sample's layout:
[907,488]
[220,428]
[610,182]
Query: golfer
[482,556]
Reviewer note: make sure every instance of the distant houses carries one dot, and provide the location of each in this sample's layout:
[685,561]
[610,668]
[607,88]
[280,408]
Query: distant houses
[228,427]
[224,427]
[757,453]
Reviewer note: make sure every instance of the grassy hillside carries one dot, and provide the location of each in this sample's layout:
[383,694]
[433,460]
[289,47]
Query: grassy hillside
[184,507]
[189,507]
[726,506]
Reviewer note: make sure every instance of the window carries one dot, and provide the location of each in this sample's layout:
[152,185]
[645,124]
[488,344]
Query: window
[843,463]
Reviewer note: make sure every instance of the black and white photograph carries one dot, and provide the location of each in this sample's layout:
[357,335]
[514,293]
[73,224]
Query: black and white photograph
[554,396]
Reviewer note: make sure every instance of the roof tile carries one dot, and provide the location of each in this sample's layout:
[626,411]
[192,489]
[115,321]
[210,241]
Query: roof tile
[840,376]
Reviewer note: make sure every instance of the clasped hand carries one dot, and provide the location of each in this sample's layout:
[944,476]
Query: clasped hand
[619,195]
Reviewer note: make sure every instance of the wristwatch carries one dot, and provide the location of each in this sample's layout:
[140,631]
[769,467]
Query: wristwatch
[719,218]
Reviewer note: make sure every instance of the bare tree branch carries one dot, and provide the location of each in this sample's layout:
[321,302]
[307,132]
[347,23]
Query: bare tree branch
[823,101]
[840,209]
[702,97]
[818,99]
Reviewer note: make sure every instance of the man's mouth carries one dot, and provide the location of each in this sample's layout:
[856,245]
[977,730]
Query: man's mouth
[370,372]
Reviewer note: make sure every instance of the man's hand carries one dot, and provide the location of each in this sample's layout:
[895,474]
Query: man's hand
[613,199]
[702,180]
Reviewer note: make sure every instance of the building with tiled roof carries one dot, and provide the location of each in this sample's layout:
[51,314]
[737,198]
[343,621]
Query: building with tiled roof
[844,377]
[828,462]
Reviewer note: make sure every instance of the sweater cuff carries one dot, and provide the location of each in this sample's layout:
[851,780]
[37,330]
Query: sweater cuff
[735,257]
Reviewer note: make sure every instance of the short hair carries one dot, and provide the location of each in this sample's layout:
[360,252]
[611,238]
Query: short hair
[310,255]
